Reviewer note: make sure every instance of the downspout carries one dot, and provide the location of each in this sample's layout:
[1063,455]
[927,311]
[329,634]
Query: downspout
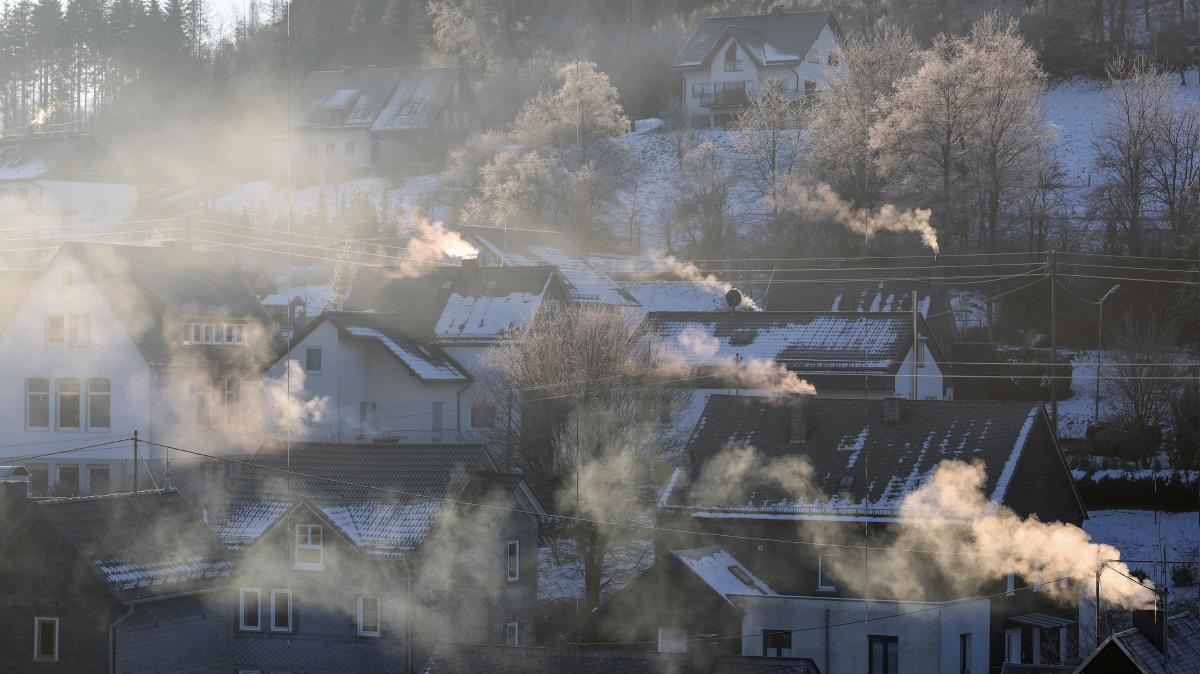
[112,640]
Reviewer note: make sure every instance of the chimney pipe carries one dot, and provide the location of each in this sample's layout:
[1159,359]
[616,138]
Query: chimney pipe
[797,421]
[893,409]
[1153,625]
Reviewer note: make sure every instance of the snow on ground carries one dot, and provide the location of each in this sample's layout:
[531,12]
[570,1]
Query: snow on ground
[1077,108]
[1078,411]
[561,577]
[1136,534]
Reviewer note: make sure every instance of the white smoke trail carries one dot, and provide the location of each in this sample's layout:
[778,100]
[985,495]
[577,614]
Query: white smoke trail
[432,245]
[699,349]
[285,410]
[690,272]
[44,114]
[822,203]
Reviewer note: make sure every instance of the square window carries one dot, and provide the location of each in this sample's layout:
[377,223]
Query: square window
[514,560]
[68,404]
[37,404]
[45,639]
[368,617]
[310,551]
[777,643]
[56,329]
[312,359]
[249,619]
[281,610]
[80,330]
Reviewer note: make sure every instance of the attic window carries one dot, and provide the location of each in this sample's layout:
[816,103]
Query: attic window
[745,578]
[742,338]
[732,64]
[87,166]
[310,552]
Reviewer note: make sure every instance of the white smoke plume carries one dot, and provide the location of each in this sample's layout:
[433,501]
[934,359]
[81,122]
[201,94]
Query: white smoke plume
[690,272]
[287,411]
[822,203]
[698,349]
[44,114]
[432,244]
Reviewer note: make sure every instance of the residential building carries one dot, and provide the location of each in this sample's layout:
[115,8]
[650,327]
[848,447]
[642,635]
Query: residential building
[59,184]
[358,122]
[1157,644]
[116,583]
[115,338]
[469,659]
[729,59]
[372,553]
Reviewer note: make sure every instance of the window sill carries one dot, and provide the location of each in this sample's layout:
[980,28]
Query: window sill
[370,635]
[304,566]
[243,628]
[826,588]
[280,630]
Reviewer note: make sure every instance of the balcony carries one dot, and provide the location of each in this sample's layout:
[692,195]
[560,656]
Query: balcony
[727,97]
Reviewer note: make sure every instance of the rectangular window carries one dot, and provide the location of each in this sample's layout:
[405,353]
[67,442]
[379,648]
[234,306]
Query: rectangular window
[45,639]
[1010,585]
[672,640]
[512,634]
[883,654]
[68,404]
[437,417]
[514,560]
[310,553]
[99,407]
[483,416]
[68,480]
[37,404]
[40,477]
[233,397]
[56,330]
[80,329]
[368,616]
[281,610]
[964,653]
[777,643]
[824,581]
[312,359]
[249,618]
[99,481]
[349,148]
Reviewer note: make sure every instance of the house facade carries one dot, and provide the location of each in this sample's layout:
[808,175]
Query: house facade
[110,339]
[729,59]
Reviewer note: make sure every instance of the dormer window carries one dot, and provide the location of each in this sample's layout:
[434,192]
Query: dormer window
[732,64]
[213,332]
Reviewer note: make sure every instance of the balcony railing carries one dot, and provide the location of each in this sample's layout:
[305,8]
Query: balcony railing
[732,97]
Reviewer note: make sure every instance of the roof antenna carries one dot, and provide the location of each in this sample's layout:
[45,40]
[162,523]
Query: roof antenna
[733,298]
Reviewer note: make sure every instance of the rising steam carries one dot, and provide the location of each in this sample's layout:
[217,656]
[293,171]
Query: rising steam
[432,245]
[287,411]
[820,202]
[43,115]
[690,272]
[698,348]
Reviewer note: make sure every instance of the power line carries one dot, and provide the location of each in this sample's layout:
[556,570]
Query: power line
[72,449]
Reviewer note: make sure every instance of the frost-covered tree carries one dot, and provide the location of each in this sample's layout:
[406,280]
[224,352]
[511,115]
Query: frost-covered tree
[570,121]
[700,207]
[516,189]
[767,136]
[1175,169]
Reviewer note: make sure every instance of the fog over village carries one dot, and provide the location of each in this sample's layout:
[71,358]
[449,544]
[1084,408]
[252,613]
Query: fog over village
[630,336]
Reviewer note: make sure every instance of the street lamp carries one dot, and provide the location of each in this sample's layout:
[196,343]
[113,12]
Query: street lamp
[1099,348]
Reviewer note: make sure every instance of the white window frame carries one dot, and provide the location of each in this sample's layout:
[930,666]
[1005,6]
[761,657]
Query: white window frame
[242,626]
[79,330]
[512,553]
[37,623]
[363,631]
[206,333]
[62,341]
[98,394]
[512,634]
[672,639]
[298,546]
[58,398]
[320,356]
[49,393]
[822,586]
[275,594]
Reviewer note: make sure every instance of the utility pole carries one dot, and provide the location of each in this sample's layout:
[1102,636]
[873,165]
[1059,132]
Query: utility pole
[1053,343]
[135,461]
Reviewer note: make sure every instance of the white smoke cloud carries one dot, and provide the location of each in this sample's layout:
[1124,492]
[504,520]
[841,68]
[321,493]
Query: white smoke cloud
[690,272]
[698,349]
[287,411]
[432,245]
[820,202]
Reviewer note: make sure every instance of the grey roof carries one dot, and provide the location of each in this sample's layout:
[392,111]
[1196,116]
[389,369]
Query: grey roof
[1183,647]
[1041,620]
[834,342]
[418,96]
[347,98]
[843,436]
[858,296]
[383,498]
[144,545]
[783,37]
[423,360]
[151,288]
[464,659]
[55,155]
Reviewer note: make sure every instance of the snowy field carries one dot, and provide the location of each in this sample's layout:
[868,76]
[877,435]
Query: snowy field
[1137,535]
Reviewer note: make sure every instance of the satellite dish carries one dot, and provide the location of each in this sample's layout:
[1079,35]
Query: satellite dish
[733,298]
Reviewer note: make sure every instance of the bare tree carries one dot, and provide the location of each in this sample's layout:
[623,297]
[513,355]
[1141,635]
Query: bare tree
[768,135]
[701,202]
[585,417]
[1175,167]
[1139,386]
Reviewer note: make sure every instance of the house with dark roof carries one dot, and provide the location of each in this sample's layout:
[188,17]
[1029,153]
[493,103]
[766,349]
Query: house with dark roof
[112,338]
[373,121]
[1157,644]
[729,59]
[862,458]
[60,183]
[115,583]
[364,556]
[404,361]
[469,659]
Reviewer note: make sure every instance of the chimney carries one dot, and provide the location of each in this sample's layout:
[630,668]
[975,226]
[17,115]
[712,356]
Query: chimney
[470,266]
[893,409]
[796,431]
[1153,625]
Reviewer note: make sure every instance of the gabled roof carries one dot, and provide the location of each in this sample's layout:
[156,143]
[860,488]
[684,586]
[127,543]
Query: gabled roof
[424,361]
[142,546]
[469,659]
[48,155]
[150,287]
[346,98]
[857,296]
[416,100]
[845,435]
[835,342]
[780,37]
[718,569]
[1183,648]
[383,498]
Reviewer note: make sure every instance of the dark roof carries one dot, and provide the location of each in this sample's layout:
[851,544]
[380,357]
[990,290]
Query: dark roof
[783,37]
[1020,668]
[1183,647]
[857,296]
[843,435]
[425,361]
[59,155]
[811,341]
[456,304]
[418,96]
[384,497]
[151,288]
[144,545]
[379,99]
[464,659]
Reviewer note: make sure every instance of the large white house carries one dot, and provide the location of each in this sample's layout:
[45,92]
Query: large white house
[114,338]
[730,58]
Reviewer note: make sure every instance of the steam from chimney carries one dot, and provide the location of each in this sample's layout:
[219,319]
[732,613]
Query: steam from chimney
[690,272]
[820,202]
[432,245]
[697,348]
[43,115]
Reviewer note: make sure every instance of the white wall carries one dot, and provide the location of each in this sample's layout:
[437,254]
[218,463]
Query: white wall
[320,164]
[55,206]
[930,383]
[928,634]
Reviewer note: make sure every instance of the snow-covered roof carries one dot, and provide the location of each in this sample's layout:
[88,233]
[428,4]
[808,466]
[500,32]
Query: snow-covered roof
[475,317]
[424,361]
[416,100]
[54,155]
[720,571]
[347,98]
[842,437]
[778,37]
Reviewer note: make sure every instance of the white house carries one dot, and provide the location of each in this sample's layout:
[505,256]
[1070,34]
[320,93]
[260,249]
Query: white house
[112,338]
[404,362]
[60,184]
[730,58]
